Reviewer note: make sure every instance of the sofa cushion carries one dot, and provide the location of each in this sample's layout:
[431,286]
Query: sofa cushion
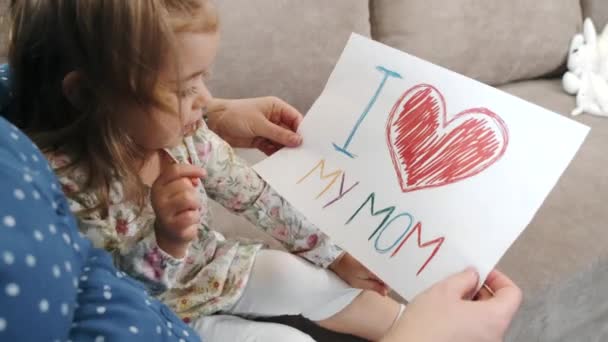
[285,48]
[561,259]
[494,41]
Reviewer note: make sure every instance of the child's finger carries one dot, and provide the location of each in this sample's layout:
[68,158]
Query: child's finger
[178,171]
[381,288]
[185,225]
[374,277]
[367,284]
[167,159]
[179,186]
[184,201]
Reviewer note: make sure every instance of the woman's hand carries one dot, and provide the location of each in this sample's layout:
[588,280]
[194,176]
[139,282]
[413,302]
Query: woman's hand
[265,123]
[445,312]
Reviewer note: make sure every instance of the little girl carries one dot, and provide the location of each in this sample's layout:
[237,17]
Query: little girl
[113,91]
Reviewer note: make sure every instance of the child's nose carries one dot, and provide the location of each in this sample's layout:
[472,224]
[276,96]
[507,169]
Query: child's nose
[202,98]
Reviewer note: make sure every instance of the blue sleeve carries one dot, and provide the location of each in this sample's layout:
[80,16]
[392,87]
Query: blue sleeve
[53,284]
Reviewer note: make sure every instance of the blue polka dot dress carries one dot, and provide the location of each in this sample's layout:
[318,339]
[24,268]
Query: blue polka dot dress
[5,92]
[53,285]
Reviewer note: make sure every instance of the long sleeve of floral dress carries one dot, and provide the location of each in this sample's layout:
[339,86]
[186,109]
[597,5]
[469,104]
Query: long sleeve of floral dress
[236,186]
[127,236]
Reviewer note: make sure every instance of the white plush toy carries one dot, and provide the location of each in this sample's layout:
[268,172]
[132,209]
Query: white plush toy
[587,75]
[592,96]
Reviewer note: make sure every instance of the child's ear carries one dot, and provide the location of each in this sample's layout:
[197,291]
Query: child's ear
[72,88]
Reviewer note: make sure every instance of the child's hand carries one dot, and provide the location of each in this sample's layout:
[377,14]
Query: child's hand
[177,206]
[356,275]
[443,313]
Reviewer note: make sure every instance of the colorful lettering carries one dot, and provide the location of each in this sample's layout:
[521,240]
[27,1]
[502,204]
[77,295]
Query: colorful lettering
[437,242]
[388,224]
[386,211]
[342,192]
[322,176]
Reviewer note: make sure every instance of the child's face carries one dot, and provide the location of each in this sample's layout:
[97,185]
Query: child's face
[157,129]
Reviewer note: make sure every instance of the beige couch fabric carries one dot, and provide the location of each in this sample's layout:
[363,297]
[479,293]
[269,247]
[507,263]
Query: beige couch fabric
[493,41]
[561,260]
[596,10]
[286,48]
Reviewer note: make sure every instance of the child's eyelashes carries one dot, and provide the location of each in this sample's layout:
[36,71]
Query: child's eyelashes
[191,91]
[194,90]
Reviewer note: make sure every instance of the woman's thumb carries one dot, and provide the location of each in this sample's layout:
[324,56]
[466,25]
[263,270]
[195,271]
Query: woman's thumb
[463,284]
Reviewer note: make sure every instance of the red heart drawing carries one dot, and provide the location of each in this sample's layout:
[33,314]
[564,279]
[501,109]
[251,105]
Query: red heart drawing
[430,151]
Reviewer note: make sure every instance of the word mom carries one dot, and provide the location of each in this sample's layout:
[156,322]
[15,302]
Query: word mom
[389,213]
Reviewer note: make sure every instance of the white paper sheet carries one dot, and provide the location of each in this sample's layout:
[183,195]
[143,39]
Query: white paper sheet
[463,166]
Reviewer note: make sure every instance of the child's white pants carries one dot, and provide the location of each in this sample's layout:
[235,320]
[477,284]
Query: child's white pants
[280,284]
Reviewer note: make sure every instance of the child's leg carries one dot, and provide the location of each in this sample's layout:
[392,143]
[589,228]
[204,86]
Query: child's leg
[223,328]
[284,284]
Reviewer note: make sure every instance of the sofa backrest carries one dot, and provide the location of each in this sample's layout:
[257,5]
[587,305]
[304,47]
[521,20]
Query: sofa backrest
[288,48]
[596,10]
[494,41]
[285,48]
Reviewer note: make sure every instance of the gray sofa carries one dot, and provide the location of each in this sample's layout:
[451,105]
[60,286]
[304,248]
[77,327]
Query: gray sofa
[287,48]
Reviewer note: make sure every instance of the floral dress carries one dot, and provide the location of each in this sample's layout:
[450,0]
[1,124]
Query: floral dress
[212,275]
